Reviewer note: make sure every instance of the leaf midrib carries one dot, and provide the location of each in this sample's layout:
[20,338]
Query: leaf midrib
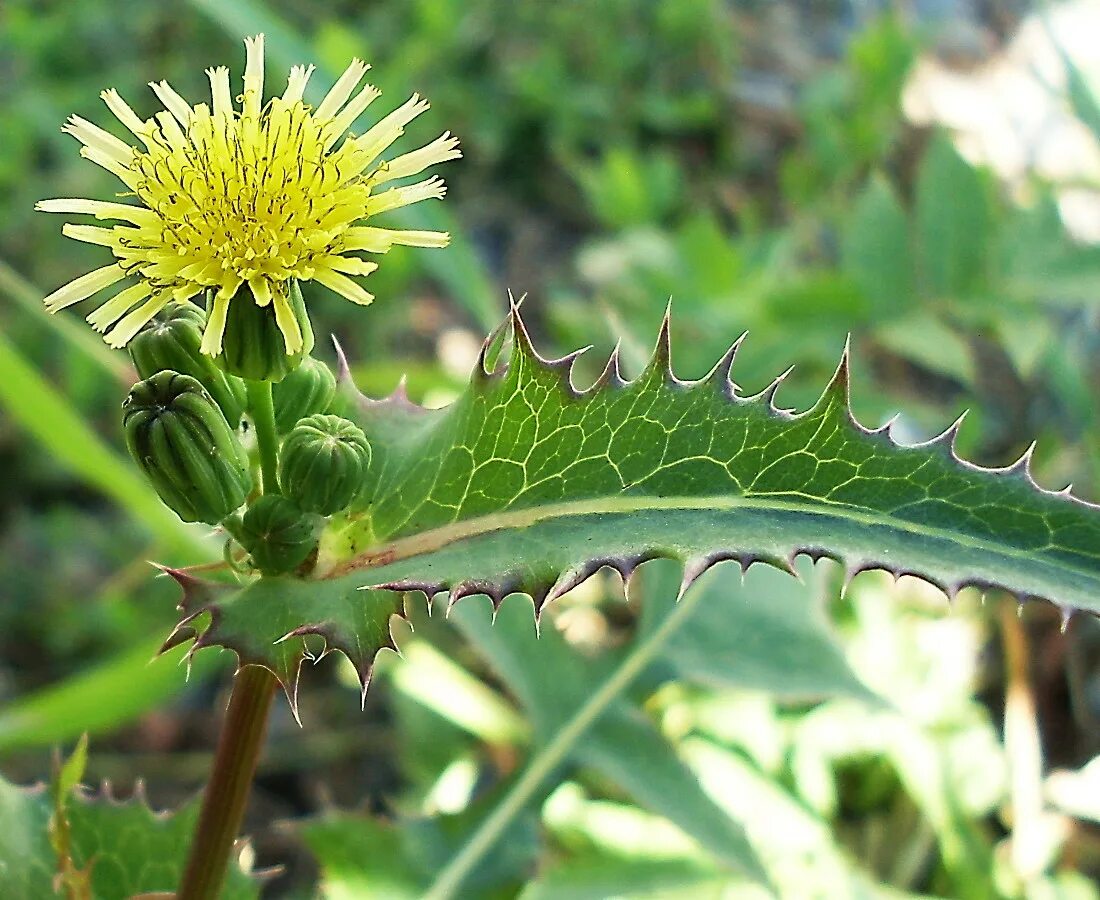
[437,538]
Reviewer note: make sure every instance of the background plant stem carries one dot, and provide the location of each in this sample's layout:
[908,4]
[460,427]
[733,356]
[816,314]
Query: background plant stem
[448,881]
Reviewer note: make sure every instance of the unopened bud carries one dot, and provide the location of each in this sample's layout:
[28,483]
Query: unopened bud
[324,460]
[181,440]
[277,534]
[171,342]
[307,390]
[254,345]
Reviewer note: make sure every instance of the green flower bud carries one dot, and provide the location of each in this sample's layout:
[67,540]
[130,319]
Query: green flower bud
[254,345]
[180,439]
[171,342]
[278,534]
[307,390]
[323,461]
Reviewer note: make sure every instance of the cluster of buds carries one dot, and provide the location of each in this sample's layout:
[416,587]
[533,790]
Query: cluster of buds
[185,424]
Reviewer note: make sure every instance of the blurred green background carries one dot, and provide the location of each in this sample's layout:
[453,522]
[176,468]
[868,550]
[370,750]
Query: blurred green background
[920,175]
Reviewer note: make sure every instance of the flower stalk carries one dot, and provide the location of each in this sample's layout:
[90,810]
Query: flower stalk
[263,420]
[226,794]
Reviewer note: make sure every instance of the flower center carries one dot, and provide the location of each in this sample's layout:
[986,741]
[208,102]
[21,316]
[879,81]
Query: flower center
[242,196]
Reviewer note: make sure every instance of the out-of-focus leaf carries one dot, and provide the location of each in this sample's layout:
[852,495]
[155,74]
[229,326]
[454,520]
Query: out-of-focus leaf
[449,690]
[553,681]
[126,847]
[599,876]
[954,224]
[41,410]
[100,699]
[796,848]
[1041,264]
[75,334]
[877,251]
[361,856]
[766,634]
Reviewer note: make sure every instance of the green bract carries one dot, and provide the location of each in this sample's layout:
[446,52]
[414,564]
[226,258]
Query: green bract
[277,534]
[253,345]
[171,342]
[307,390]
[323,463]
[182,442]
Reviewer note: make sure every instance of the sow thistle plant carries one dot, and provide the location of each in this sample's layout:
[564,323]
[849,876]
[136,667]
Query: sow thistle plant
[526,484]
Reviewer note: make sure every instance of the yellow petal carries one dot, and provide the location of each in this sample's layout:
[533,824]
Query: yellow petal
[110,312]
[132,323]
[215,326]
[443,148]
[288,324]
[340,91]
[344,286]
[432,189]
[83,287]
[253,76]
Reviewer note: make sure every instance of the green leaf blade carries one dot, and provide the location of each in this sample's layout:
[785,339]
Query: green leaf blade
[527,484]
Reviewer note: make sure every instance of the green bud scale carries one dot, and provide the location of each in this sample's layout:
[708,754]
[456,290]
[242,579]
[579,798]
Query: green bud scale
[182,442]
[307,390]
[277,534]
[171,342]
[253,345]
[323,463]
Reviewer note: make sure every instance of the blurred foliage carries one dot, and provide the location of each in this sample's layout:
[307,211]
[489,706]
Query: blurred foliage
[752,162]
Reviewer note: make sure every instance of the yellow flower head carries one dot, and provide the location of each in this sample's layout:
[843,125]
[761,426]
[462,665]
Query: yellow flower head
[259,196]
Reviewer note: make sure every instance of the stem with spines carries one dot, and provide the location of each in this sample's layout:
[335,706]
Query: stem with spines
[226,795]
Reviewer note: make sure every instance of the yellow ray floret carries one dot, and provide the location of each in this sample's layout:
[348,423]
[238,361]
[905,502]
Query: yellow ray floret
[226,198]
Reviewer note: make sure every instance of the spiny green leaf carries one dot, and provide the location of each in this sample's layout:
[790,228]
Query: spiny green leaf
[527,484]
[124,846]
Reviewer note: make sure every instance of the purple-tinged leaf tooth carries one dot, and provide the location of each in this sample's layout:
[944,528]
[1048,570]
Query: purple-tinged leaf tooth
[364,685]
[815,554]
[197,592]
[625,566]
[612,375]
[840,384]
[1022,466]
[693,571]
[521,337]
[429,589]
[538,594]
[466,589]
[790,567]
[768,394]
[181,634]
[571,578]
[662,350]
[886,428]
[289,685]
[851,570]
[720,375]
[946,439]
[343,368]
